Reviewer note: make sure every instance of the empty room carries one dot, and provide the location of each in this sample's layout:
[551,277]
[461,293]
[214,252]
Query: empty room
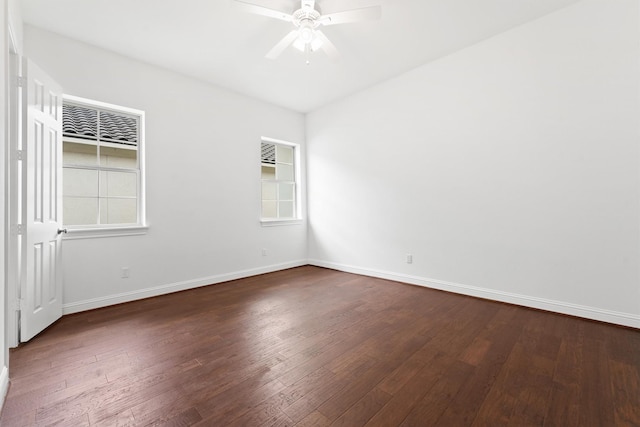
[320,212]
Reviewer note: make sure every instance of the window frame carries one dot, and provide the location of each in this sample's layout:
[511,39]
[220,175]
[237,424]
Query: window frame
[297,219]
[112,230]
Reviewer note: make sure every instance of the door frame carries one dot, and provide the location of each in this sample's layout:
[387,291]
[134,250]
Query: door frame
[13,195]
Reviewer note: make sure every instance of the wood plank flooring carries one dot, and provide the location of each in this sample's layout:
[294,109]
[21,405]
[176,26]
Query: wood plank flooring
[316,347]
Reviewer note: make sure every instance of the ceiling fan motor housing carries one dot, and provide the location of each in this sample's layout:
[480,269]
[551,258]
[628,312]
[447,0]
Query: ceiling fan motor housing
[302,17]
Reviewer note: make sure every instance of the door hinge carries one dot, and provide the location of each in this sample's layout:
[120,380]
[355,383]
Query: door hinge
[20,229]
[19,304]
[19,155]
[21,81]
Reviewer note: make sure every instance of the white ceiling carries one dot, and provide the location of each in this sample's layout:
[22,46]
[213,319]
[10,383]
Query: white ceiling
[216,41]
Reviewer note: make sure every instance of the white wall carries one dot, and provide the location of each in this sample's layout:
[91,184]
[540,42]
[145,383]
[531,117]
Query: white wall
[508,170]
[14,17]
[203,179]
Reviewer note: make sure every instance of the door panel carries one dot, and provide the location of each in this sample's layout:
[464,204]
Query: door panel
[41,289]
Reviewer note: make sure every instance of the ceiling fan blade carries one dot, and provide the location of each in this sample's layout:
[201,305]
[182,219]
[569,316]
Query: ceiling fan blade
[264,11]
[328,47]
[282,45]
[355,15]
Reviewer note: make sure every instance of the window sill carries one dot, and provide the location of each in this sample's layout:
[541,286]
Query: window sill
[279,222]
[95,233]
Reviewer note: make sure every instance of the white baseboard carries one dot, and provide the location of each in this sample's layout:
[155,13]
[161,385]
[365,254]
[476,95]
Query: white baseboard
[4,385]
[91,304]
[593,313]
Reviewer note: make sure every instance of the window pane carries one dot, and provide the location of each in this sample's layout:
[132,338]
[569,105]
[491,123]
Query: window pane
[284,172]
[79,121]
[285,191]
[268,172]
[269,191]
[79,182]
[269,209]
[79,154]
[268,153]
[118,211]
[286,209]
[118,184]
[80,210]
[118,127]
[119,157]
[284,154]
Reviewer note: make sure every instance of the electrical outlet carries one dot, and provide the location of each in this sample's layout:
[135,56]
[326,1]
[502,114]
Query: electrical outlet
[409,259]
[264,252]
[124,273]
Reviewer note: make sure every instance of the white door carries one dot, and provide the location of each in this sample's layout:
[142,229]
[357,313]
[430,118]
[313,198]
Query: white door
[41,285]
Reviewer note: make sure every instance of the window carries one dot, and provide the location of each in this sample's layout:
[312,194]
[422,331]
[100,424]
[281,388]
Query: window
[102,165]
[279,174]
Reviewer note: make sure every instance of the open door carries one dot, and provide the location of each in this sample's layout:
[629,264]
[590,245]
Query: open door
[41,284]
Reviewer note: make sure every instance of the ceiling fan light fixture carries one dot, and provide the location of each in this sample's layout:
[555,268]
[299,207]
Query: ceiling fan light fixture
[305,33]
[299,44]
[316,44]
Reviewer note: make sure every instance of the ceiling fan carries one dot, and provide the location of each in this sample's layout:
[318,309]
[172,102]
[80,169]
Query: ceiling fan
[306,35]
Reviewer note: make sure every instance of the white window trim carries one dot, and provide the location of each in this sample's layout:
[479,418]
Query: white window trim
[115,230]
[279,222]
[298,180]
[92,233]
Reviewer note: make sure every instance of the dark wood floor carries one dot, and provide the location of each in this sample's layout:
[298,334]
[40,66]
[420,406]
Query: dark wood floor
[315,347]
